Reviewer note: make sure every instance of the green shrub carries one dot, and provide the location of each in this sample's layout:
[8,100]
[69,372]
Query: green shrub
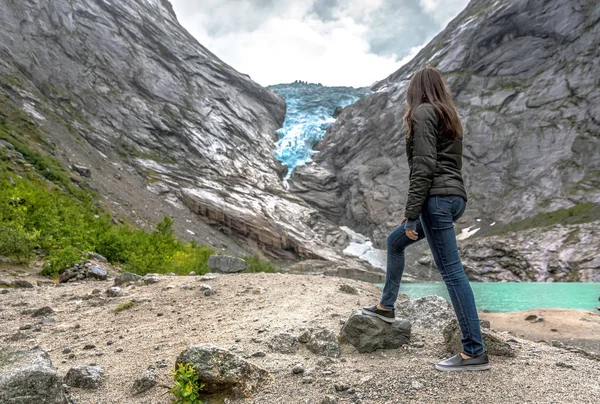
[256,265]
[187,388]
[124,306]
[16,242]
[61,258]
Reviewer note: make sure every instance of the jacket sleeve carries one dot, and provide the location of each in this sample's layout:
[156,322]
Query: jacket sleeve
[424,160]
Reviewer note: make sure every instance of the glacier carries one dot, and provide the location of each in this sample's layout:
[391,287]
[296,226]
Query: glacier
[310,110]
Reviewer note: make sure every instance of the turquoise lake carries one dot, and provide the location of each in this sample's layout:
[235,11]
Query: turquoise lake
[514,296]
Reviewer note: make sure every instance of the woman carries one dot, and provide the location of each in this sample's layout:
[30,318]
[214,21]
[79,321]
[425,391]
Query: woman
[436,199]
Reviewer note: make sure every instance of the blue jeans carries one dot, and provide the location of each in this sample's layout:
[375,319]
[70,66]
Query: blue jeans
[437,225]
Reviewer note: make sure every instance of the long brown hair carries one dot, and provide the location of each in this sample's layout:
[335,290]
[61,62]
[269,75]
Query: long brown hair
[428,86]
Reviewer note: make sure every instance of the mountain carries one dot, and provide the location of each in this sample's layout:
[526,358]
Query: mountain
[157,123]
[525,75]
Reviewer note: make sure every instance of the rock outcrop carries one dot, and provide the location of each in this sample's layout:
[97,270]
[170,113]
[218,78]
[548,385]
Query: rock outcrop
[368,333]
[525,79]
[27,376]
[428,312]
[494,344]
[222,371]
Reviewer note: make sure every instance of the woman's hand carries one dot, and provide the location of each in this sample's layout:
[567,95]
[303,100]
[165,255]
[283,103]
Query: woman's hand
[411,233]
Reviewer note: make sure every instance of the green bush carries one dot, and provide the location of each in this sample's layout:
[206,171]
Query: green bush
[16,242]
[124,306]
[187,388]
[256,265]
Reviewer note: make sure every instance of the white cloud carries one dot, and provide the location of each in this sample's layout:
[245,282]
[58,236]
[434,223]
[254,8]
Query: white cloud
[277,41]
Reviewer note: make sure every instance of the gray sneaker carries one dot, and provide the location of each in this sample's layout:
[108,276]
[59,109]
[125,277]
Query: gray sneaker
[389,316]
[458,364]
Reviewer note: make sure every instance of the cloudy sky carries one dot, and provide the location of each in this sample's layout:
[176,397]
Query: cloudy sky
[333,42]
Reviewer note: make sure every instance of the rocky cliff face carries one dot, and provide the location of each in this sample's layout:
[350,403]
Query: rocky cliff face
[163,125]
[525,76]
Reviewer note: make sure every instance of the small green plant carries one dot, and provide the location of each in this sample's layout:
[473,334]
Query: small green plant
[187,388]
[124,306]
[256,265]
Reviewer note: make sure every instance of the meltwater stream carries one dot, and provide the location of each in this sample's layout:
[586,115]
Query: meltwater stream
[310,109]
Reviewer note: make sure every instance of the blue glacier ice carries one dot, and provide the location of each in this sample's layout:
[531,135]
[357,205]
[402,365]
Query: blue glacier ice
[309,113]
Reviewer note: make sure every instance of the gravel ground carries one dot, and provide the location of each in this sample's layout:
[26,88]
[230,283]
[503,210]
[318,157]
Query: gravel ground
[248,309]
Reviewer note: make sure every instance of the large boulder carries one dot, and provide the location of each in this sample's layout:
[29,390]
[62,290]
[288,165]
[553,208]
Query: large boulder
[429,312]
[85,377]
[494,345]
[324,342]
[225,264]
[97,272]
[368,333]
[222,371]
[27,376]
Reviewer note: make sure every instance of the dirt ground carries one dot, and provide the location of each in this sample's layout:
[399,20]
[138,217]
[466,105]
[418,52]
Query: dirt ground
[248,309]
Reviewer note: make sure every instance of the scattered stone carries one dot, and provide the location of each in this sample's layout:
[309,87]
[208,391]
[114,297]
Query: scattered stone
[207,277]
[119,350]
[85,377]
[417,385]
[340,387]
[324,342]
[21,284]
[150,279]
[125,278]
[97,272]
[5,284]
[553,330]
[538,320]
[557,344]
[146,382]
[192,273]
[531,317]
[37,328]
[82,170]
[493,344]
[67,351]
[329,399]
[96,257]
[285,343]
[223,371]
[18,336]
[368,333]
[347,288]
[308,380]
[109,343]
[564,365]
[95,291]
[25,327]
[429,312]
[27,376]
[259,354]
[188,287]
[225,264]
[43,311]
[304,336]
[204,286]
[298,369]
[114,291]
[161,364]
[324,362]
[4,291]
[208,292]
[160,314]
[418,344]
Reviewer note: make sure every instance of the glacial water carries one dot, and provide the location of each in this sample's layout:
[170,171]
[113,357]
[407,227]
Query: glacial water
[310,109]
[514,296]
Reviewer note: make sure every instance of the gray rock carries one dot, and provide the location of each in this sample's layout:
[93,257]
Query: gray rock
[192,273]
[5,283]
[114,291]
[285,343]
[97,257]
[347,288]
[494,344]
[324,342]
[304,335]
[82,170]
[125,278]
[43,311]
[225,264]
[146,382]
[368,333]
[298,369]
[97,272]
[208,277]
[21,284]
[27,376]
[150,279]
[4,291]
[429,312]
[208,292]
[222,371]
[85,377]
